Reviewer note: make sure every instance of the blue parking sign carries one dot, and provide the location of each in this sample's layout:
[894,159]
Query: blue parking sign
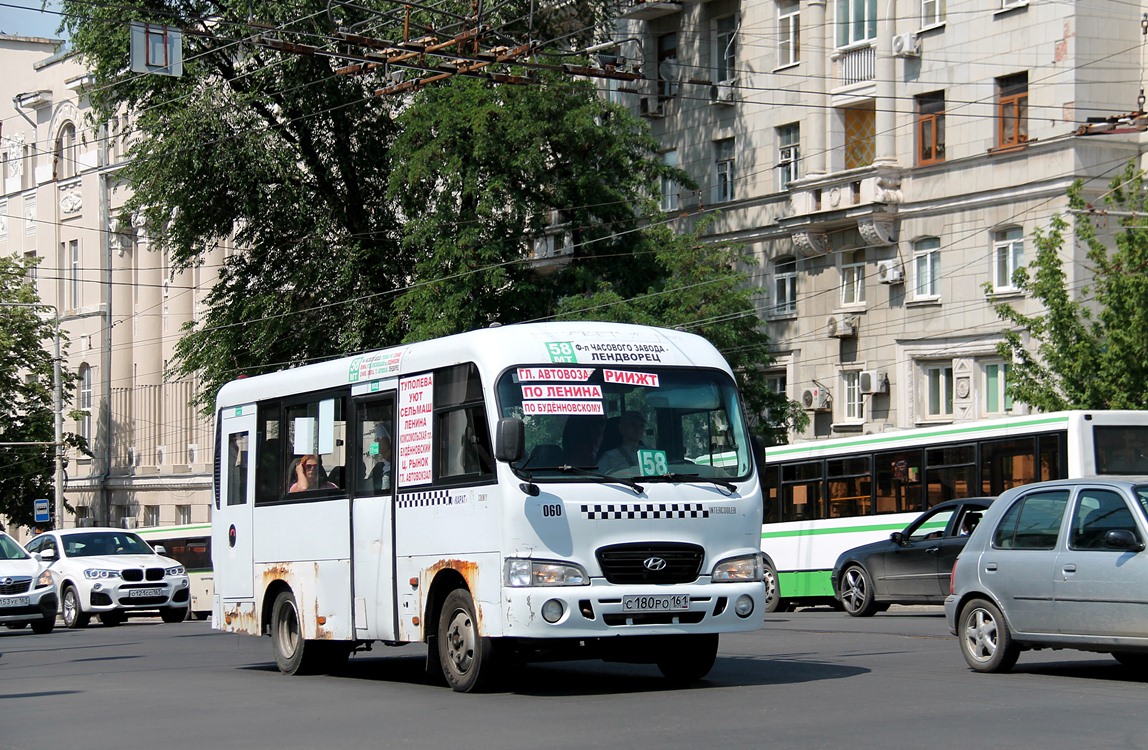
[41,511]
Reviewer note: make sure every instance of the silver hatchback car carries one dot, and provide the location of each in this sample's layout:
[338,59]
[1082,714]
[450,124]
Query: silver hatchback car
[1058,564]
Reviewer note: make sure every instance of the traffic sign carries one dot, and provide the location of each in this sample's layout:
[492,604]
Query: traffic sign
[42,511]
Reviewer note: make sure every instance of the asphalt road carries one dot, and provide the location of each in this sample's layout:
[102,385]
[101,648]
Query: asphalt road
[809,679]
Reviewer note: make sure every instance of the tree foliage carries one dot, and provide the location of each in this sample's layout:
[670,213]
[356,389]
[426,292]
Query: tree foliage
[27,340]
[363,221]
[1086,348]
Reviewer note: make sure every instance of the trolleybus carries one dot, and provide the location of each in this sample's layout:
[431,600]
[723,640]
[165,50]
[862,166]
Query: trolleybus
[191,545]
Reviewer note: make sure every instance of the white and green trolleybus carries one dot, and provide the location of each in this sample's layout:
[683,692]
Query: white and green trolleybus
[454,492]
[823,497]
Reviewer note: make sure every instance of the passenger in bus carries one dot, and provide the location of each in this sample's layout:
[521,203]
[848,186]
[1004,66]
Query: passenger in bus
[379,477]
[581,436]
[631,428]
[309,475]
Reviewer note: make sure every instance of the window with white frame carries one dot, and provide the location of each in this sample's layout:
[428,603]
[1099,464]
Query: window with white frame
[854,400]
[777,382]
[785,286]
[997,400]
[932,12]
[667,65]
[151,515]
[938,389]
[723,161]
[28,174]
[853,278]
[856,21]
[84,402]
[788,154]
[927,268]
[183,514]
[1008,256]
[669,186]
[65,158]
[33,266]
[29,214]
[788,32]
[725,48]
[71,252]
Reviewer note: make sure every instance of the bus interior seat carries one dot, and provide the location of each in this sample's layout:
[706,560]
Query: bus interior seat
[336,477]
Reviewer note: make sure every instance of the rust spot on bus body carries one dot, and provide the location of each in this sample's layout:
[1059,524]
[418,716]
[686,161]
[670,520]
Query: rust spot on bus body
[468,569]
[240,618]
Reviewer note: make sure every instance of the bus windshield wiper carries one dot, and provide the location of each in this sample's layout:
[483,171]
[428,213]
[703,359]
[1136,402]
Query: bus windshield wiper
[567,469]
[675,477]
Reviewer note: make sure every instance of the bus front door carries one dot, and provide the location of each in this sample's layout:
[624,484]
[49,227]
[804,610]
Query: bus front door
[231,544]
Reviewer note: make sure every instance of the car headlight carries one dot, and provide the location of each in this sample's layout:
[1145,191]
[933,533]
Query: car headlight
[96,574]
[178,570]
[738,569]
[520,572]
[44,579]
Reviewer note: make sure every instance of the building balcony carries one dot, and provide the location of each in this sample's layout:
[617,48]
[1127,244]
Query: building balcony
[855,64]
[865,199]
[647,10]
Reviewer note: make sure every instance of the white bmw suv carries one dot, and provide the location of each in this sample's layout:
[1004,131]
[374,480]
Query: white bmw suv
[111,573]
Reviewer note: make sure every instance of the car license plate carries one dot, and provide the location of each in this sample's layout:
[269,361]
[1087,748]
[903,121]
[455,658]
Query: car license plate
[655,602]
[133,593]
[14,601]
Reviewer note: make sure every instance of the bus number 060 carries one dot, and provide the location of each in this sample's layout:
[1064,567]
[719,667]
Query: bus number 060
[551,511]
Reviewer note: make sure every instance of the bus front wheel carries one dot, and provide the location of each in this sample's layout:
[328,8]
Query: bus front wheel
[293,654]
[466,657]
[688,658]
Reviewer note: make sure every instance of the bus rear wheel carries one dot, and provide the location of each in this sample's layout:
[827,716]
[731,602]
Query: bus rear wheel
[466,657]
[293,654]
[688,658]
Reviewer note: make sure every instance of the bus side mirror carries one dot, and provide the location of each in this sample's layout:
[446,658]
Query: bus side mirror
[510,440]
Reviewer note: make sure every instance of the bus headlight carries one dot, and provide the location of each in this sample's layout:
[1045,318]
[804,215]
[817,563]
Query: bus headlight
[521,572]
[738,569]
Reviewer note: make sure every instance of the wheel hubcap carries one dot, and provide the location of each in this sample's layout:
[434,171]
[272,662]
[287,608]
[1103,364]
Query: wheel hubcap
[853,592]
[981,635]
[70,607]
[288,631]
[460,642]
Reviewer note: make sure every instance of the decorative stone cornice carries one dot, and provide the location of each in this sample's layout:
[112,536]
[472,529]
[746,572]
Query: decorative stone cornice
[810,244]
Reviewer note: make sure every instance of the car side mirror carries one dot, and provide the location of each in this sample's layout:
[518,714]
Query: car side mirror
[897,538]
[47,554]
[1123,539]
[159,549]
[510,440]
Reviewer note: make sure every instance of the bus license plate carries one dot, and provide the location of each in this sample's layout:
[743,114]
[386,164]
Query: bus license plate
[655,602]
[144,592]
[15,601]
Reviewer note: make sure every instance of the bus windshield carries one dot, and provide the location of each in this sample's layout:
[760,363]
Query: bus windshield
[585,422]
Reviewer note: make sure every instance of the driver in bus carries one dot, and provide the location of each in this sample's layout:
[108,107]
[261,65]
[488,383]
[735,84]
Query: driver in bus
[631,428]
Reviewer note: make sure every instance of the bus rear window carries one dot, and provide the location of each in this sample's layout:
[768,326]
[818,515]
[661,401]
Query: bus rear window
[1121,449]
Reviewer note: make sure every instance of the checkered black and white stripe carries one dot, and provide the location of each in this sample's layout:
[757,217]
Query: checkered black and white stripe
[644,510]
[424,499]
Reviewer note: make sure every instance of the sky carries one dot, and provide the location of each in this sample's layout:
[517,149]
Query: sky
[24,18]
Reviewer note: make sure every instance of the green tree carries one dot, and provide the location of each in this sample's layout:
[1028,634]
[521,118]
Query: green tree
[27,343]
[1087,349]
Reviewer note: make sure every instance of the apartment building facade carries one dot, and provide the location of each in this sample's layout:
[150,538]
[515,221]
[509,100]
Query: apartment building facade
[121,306]
[886,163]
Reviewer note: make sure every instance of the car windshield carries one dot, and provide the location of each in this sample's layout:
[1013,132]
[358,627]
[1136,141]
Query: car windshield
[104,543]
[627,422]
[9,550]
[1142,496]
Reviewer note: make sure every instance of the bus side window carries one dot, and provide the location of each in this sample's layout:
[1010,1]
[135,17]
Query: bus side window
[268,474]
[376,420]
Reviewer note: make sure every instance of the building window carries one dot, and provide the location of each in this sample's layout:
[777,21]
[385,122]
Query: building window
[860,136]
[853,278]
[3,217]
[183,514]
[28,175]
[856,21]
[725,48]
[931,128]
[932,12]
[670,187]
[927,268]
[11,163]
[723,160]
[785,286]
[788,155]
[939,389]
[1012,110]
[71,252]
[788,32]
[1008,256]
[997,399]
[84,405]
[29,214]
[854,406]
[667,65]
[151,515]
[65,160]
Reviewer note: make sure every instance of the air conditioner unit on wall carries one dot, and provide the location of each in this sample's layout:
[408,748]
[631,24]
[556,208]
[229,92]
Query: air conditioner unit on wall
[841,327]
[889,272]
[816,399]
[722,93]
[906,45]
[874,381]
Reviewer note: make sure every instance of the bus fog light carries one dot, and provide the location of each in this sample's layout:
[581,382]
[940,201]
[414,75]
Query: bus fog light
[553,610]
[744,605]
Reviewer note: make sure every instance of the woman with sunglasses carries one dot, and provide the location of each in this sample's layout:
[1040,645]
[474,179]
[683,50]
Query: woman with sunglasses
[309,475]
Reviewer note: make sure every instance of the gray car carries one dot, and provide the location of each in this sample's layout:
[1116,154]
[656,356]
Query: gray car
[1058,564]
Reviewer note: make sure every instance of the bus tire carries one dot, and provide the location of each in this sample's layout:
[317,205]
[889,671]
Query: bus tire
[773,600]
[688,658]
[986,642]
[293,654]
[857,592]
[466,657]
[74,614]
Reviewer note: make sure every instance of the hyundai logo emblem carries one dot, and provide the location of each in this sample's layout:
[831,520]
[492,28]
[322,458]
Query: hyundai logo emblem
[654,564]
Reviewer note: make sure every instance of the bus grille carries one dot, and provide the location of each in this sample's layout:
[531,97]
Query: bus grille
[626,563]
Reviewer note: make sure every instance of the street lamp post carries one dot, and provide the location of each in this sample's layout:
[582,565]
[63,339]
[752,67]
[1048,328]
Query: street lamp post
[57,406]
